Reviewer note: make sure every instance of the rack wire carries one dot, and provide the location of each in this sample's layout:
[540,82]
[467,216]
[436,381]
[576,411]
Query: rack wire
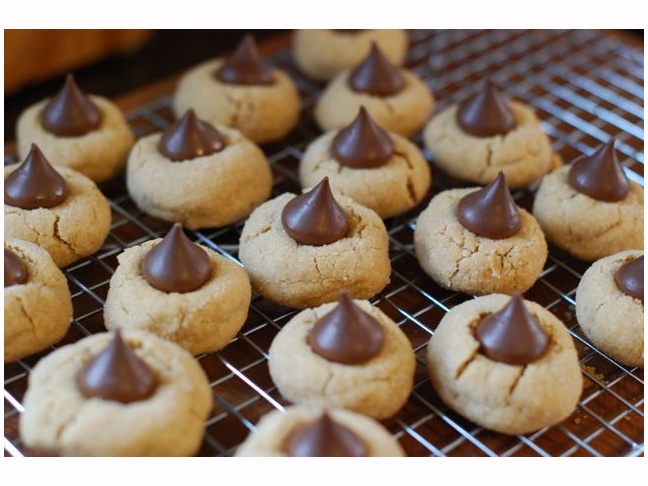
[585,86]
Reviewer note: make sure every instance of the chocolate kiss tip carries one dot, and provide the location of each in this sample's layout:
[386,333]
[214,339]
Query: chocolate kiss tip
[117,374]
[35,183]
[376,75]
[347,334]
[70,113]
[176,264]
[315,217]
[490,211]
[486,113]
[15,271]
[600,175]
[630,278]
[324,437]
[189,137]
[363,144]
[245,66]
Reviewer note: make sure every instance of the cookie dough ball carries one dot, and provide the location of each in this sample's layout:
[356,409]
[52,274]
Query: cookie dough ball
[350,355]
[397,99]
[211,184]
[380,170]
[468,258]
[307,274]
[37,302]
[58,208]
[71,413]
[587,225]
[263,104]
[322,53]
[301,430]
[86,133]
[537,392]
[179,290]
[609,306]
[466,143]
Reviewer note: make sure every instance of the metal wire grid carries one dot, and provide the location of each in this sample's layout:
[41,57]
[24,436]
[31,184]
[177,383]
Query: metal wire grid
[585,87]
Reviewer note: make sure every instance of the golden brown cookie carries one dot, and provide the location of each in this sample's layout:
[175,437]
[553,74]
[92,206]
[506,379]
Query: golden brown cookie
[264,105]
[369,370]
[609,306]
[37,305]
[99,153]
[190,295]
[501,396]
[168,420]
[300,431]
[57,208]
[322,53]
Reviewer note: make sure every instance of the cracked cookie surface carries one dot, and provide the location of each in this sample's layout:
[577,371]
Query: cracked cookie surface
[377,388]
[389,190]
[74,229]
[511,399]
[524,154]
[37,313]
[458,259]
[262,113]
[587,228]
[612,320]
[272,430]
[209,191]
[100,154]
[404,113]
[59,419]
[301,276]
[201,321]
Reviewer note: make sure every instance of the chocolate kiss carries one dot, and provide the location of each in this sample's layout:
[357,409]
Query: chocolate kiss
[600,176]
[15,271]
[245,66]
[35,183]
[117,374]
[486,113]
[363,144]
[70,113]
[376,75]
[189,138]
[324,437]
[629,278]
[347,334]
[315,218]
[512,335]
[176,264]
[490,211]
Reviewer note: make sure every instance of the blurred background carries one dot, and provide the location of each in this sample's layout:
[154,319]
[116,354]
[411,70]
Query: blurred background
[109,62]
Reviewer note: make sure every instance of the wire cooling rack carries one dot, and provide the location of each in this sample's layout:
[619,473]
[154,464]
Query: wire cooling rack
[585,86]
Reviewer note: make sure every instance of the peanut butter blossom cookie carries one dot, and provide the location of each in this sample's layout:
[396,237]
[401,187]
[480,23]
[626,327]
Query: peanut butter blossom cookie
[506,364]
[322,53]
[610,306]
[590,208]
[54,207]
[351,356]
[382,171]
[180,290]
[476,139]
[198,174]
[299,251]
[37,301]
[114,394]
[86,133]
[310,431]
[241,92]
[395,97]
[478,241]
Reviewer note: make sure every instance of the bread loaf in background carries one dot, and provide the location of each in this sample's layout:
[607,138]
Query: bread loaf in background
[34,55]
